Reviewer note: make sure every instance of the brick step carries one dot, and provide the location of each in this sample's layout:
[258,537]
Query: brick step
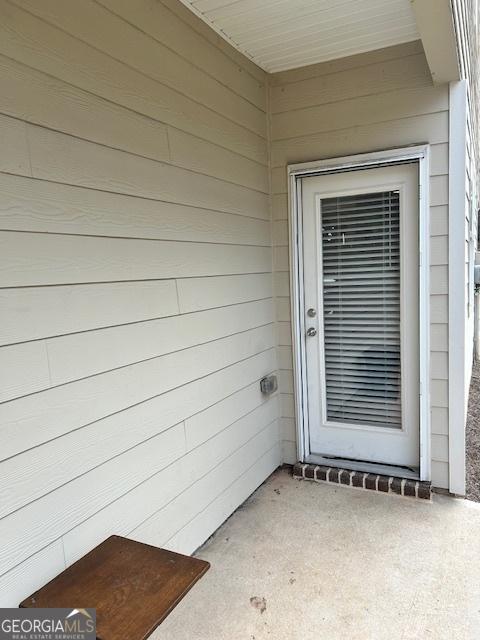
[363,480]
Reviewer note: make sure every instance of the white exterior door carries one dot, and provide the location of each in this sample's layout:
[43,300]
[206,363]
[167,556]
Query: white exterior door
[361,294]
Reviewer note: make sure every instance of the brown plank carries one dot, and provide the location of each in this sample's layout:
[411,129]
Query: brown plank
[133,586]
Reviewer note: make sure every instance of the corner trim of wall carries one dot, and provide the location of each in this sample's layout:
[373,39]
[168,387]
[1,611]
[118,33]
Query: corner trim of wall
[456,285]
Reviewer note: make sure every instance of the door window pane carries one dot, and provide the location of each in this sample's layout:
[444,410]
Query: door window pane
[361,308]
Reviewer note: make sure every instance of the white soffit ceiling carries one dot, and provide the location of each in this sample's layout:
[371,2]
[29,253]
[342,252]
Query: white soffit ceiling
[285,34]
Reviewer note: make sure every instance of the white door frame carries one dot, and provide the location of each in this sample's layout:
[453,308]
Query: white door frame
[418,153]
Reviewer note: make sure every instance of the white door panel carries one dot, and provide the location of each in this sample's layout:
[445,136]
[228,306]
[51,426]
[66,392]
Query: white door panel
[361,274]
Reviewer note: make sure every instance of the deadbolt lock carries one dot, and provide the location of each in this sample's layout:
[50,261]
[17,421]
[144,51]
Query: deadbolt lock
[311,332]
[311,313]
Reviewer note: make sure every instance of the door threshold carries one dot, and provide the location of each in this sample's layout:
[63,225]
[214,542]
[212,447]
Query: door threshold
[363,480]
[369,467]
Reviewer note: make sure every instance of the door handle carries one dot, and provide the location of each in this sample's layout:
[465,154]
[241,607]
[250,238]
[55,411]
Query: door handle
[312,332]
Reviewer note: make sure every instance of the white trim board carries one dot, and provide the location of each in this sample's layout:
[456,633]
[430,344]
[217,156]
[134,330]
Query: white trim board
[437,31]
[418,153]
[457,303]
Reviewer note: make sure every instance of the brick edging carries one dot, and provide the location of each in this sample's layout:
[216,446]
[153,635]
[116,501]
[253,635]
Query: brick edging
[363,480]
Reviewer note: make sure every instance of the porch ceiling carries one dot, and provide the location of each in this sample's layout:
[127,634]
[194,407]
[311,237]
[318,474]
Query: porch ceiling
[284,34]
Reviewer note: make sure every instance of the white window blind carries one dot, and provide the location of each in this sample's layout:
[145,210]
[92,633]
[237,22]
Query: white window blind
[361,308]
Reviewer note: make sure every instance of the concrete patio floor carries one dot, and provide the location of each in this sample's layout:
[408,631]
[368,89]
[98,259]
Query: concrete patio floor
[306,561]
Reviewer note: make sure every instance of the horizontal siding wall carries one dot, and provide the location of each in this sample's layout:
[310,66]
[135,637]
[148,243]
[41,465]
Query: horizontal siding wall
[135,283]
[368,102]
[467,17]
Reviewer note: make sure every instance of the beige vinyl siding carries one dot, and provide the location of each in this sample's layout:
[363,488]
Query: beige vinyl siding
[144,281]
[135,282]
[467,24]
[368,102]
